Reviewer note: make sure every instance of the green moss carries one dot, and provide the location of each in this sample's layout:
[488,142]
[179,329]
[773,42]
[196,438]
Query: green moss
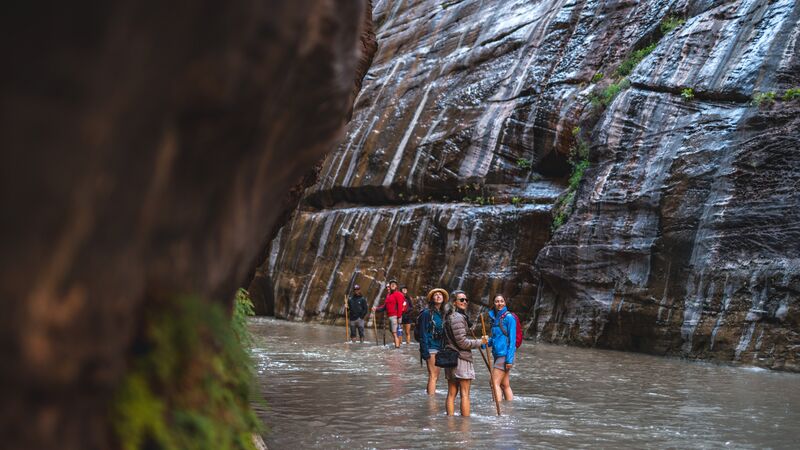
[688,94]
[190,385]
[524,164]
[516,201]
[597,77]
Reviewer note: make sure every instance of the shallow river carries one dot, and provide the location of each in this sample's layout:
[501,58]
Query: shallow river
[322,392]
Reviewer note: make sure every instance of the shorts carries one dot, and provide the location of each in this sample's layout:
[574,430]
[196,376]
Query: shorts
[500,363]
[393,323]
[465,370]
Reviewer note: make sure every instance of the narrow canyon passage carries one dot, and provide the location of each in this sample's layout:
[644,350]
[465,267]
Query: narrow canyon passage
[322,392]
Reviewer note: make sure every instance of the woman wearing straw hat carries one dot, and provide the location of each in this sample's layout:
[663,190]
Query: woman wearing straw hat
[431,334]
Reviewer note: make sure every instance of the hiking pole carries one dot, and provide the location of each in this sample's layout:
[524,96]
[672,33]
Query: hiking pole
[384,329]
[491,376]
[488,352]
[375,325]
[489,359]
[347,320]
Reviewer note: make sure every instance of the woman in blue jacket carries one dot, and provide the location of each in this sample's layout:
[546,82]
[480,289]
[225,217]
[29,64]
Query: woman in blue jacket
[503,343]
[431,334]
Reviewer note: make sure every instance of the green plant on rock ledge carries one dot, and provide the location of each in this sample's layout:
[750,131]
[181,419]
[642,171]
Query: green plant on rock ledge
[791,94]
[516,201]
[190,385]
[579,160]
[633,60]
[687,94]
[670,23]
[524,164]
[764,98]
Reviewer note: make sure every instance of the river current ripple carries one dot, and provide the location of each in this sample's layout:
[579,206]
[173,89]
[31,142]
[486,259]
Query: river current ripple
[321,392]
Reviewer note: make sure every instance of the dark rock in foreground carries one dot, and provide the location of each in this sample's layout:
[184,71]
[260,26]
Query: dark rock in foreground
[145,146]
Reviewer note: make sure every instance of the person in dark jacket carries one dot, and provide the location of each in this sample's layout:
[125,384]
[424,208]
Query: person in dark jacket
[409,314]
[431,334]
[459,378]
[503,343]
[357,305]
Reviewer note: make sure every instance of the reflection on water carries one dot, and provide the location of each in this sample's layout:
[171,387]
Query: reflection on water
[322,392]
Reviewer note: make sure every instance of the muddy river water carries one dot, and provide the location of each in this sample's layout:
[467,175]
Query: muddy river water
[321,392]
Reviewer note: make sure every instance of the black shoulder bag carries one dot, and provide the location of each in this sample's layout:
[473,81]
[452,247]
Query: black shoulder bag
[447,358]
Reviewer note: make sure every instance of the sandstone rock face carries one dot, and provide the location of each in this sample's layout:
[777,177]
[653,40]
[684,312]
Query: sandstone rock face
[684,232]
[145,148]
[685,238]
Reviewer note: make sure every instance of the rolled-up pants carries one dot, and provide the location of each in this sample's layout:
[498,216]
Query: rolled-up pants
[358,323]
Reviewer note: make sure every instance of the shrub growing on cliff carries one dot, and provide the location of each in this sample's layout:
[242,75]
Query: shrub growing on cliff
[633,60]
[791,94]
[607,95]
[579,159]
[524,164]
[688,94]
[670,23]
[764,98]
[190,385]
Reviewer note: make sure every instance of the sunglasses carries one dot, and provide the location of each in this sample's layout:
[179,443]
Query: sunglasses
[461,299]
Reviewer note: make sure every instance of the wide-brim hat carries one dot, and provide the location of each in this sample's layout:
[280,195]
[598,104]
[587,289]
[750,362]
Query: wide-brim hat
[435,290]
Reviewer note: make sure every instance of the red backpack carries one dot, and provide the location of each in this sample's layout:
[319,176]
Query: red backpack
[503,329]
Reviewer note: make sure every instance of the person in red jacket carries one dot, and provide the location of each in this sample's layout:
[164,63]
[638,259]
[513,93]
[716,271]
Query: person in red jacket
[393,305]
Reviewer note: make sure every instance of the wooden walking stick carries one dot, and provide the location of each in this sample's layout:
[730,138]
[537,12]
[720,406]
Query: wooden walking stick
[488,352]
[375,325]
[489,360]
[491,376]
[347,319]
[384,329]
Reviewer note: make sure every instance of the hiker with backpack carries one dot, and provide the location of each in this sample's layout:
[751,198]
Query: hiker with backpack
[506,337]
[429,332]
[408,314]
[459,378]
[358,309]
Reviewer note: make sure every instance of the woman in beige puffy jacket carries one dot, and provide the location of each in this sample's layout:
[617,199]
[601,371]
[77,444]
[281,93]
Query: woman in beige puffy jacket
[459,378]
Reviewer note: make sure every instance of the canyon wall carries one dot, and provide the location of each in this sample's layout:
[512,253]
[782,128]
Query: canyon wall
[601,163]
[145,148]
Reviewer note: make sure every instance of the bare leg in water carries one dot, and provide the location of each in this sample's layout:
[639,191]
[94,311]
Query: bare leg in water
[433,374]
[463,386]
[407,331]
[452,391]
[502,385]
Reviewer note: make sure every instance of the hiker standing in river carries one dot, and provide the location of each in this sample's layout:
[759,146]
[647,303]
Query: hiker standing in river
[393,305]
[431,334]
[357,305]
[503,343]
[408,314]
[459,378]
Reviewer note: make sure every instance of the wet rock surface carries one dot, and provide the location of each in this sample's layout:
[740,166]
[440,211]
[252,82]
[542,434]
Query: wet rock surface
[683,239]
[145,148]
